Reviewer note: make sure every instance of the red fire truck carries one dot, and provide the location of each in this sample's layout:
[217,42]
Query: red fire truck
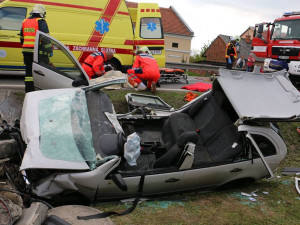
[279,43]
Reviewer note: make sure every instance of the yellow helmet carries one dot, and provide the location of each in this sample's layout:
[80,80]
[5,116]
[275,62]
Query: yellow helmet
[39,9]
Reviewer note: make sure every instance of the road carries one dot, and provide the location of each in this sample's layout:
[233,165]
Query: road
[17,82]
[12,82]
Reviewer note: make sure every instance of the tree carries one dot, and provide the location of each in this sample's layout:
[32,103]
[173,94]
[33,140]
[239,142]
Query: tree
[198,55]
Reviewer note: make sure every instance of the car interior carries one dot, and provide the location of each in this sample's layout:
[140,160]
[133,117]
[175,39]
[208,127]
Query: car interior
[208,123]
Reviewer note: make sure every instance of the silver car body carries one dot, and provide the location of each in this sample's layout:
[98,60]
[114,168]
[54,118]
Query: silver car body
[256,99]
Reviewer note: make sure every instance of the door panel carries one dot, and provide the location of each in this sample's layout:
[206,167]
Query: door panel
[153,184]
[260,41]
[54,65]
[214,176]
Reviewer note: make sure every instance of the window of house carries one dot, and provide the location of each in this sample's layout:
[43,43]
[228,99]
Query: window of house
[174,45]
[11,18]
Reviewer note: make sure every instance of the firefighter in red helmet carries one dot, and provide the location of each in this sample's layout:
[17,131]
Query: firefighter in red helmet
[30,26]
[93,65]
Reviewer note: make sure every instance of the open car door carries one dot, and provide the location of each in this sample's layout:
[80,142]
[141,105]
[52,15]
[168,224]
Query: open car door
[260,40]
[54,66]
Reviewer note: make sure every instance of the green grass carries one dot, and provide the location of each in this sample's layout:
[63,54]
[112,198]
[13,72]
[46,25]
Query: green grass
[280,206]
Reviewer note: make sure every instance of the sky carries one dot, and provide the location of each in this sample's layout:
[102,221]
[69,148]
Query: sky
[209,18]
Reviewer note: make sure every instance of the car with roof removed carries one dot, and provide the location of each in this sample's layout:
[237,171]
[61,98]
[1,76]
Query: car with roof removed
[79,148]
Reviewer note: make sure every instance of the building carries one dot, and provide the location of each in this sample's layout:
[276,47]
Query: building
[216,51]
[178,35]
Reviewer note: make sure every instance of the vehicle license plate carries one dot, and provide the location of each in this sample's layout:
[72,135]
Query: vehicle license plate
[156,52]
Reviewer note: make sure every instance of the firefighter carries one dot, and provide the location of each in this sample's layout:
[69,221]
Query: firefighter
[94,63]
[230,54]
[27,37]
[144,68]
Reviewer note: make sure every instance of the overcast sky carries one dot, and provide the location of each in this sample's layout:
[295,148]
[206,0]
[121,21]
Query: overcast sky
[209,18]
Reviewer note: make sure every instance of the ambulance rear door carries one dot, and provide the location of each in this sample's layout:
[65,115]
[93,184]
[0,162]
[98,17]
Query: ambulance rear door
[149,31]
[54,66]
[11,18]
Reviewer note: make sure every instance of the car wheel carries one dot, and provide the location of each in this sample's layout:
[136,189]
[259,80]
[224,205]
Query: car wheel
[69,199]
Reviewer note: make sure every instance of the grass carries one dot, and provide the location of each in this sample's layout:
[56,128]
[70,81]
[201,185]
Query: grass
[280,206]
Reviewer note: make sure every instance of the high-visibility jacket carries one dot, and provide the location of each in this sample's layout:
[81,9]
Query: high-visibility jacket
[149,66]
[94,64]
[30,26]
[28,31]
[230,51]
[144,67]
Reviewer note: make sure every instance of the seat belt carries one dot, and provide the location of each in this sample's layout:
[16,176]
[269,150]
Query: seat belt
[112,213]
[188,156]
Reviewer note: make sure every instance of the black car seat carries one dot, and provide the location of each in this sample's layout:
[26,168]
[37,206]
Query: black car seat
[208,117]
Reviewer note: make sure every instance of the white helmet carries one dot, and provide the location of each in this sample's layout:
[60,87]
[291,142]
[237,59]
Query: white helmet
[145,49]
[39,9]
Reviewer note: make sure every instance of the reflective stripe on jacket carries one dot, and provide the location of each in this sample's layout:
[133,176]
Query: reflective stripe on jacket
[94,64]
[30,26]
[230,51]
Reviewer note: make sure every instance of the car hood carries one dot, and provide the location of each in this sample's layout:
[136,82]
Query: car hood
[55,126]
[261,97]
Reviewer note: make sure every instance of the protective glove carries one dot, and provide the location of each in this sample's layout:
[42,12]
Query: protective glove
[229,61]
[50,54]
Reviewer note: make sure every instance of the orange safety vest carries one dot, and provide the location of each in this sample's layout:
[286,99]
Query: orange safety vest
[30,27]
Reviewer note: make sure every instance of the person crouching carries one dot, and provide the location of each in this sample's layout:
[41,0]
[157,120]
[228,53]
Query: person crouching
[93,65]
[144,68]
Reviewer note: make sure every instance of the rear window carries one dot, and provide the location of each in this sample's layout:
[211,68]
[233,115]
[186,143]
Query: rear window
[151,28]
[11,18]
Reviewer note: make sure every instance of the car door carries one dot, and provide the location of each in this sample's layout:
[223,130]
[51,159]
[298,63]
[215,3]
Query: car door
[54,66]
[155,183]
[260,40]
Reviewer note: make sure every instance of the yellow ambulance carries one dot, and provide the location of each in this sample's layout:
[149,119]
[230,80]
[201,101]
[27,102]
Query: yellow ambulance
[85,26]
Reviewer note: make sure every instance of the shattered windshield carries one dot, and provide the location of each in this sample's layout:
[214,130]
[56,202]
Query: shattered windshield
[65,130]
[286,30]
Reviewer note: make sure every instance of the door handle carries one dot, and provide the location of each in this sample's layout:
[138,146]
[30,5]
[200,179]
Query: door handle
[172,180]
[236,170]
[39,72]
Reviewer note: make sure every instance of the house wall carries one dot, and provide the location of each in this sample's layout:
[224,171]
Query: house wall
[216,51]
[177,54]
[248,32]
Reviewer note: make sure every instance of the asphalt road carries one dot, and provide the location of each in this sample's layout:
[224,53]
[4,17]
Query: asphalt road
[12,82]
[17,82]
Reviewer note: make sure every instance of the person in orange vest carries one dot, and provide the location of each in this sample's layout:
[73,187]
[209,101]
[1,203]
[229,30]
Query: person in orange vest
[93,65]
[27,37]
[144,68]
[230,54]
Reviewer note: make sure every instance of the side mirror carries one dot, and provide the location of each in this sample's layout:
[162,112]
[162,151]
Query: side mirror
[260,28]
[119,181]
[79,82]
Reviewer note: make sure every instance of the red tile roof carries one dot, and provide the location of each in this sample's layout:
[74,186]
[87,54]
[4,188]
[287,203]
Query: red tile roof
[172,23]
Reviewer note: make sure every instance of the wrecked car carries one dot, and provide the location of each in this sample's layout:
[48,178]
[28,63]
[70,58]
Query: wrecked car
[79,148]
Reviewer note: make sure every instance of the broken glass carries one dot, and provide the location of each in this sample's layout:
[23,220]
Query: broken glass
[65,130]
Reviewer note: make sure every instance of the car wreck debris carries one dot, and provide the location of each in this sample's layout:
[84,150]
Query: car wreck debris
[297,180]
